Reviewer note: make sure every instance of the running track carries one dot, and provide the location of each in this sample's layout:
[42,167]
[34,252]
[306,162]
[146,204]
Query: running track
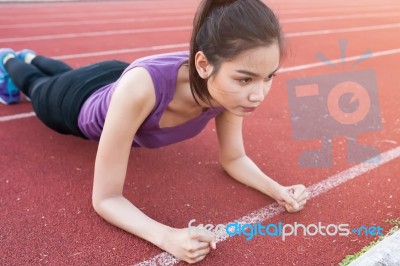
[46,178]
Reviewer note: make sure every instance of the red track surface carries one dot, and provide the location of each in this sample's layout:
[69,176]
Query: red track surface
[46,178]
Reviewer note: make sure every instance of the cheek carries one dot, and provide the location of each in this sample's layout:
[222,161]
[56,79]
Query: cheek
[216,87]
[226,92]
[267,88]
[227,96]
[225,87]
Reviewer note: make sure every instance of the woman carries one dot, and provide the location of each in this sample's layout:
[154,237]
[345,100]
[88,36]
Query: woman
[236,48]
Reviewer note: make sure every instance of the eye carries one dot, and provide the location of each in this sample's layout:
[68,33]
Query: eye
[245,81]
[269,77]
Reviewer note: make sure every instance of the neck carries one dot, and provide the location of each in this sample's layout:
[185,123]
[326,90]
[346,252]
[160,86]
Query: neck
[205,104]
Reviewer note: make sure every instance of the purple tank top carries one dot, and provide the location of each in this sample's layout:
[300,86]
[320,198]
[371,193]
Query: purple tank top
[163,70]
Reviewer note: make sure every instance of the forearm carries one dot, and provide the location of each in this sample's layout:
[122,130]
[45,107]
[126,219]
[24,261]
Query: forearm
[244,170]
[120,212]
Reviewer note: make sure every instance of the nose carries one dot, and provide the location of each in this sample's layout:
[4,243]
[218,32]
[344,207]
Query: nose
[258,92]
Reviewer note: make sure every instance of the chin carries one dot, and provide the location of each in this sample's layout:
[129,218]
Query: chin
[245,114]
[239,113]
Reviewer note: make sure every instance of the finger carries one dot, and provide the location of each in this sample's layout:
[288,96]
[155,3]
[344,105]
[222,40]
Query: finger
[302,203]
[198,255]
[291,209]
[213,244]
[281,203]
[204,236]
[301,206]
[197,245]
[199,258]
[303,197]
[297,192]
[290,201]
[202,252]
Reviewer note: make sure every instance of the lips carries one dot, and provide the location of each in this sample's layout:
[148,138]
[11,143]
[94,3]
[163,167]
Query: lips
[248,109]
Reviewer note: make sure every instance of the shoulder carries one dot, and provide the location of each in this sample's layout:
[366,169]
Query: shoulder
[136,84]
[131,103]
[134,96]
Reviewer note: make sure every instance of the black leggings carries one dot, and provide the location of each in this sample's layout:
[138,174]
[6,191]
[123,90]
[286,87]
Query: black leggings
[57,91]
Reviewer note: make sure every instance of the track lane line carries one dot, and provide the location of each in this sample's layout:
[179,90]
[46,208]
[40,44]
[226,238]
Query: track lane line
[334,10]
[150,12]
[104,14]
[340,17]
[16,116]
[340,60]
[93,33]
[354,29]
[96,22]
[124,51]
[185,28]
[174,18]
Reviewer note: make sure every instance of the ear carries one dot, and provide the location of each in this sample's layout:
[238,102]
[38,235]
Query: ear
[203,67]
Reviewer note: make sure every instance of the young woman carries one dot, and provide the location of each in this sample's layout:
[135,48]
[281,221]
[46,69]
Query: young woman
[236,48]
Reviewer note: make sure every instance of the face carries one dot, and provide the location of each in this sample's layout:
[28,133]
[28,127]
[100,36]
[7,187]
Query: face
[241,85]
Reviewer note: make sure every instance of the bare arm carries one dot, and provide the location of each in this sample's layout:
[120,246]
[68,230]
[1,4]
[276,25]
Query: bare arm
[128,109]
[236,163]
[131,103]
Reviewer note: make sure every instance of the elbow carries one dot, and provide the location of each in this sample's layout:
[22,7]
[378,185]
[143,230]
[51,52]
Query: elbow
[101,202]
[96,203]
[226,162]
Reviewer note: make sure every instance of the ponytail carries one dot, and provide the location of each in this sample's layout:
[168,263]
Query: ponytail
[198,85]
[222,29]
[205,7]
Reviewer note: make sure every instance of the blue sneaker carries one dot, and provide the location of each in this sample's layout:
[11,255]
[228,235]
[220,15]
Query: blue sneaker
[9,93]
[22,54]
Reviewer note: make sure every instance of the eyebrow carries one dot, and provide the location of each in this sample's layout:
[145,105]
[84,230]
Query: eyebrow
[254,74]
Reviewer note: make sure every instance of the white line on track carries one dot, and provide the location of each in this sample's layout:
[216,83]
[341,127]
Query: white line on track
[105,21]
[94,33]
[124,51]
[355,9]
[340,17]
[15,117]
[184,28]
[175,18]
[274,209]
[355,29]
[335,61]
[127,12]
[133,11]
[164,47]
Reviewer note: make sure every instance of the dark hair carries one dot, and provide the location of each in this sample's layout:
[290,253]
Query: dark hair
[222,29]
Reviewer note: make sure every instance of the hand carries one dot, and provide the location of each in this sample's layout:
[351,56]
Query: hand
[293,198]
[192,247]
